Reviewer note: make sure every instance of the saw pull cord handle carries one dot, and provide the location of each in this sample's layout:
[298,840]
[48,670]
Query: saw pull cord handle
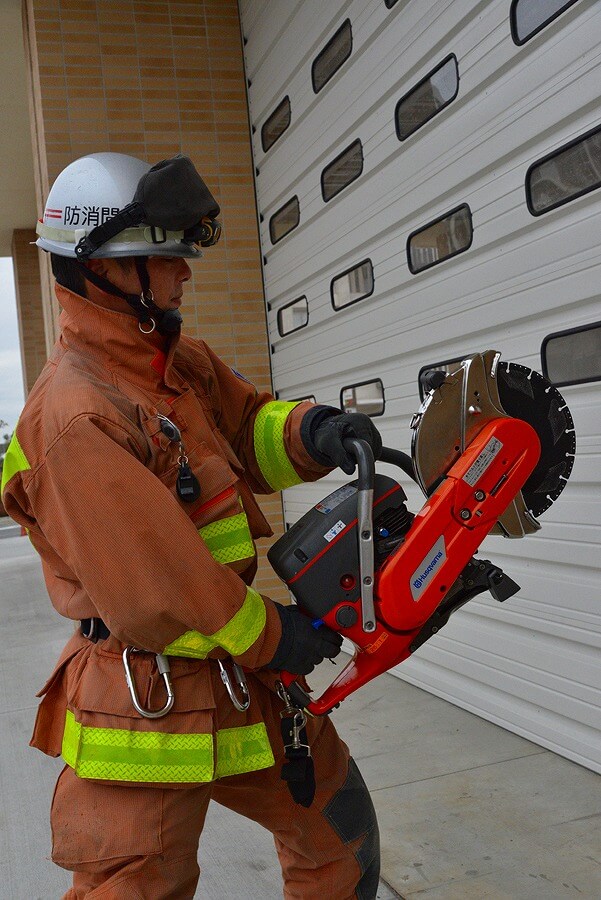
[364,457]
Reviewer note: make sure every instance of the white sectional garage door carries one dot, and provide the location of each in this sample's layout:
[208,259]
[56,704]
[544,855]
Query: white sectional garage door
[377,123]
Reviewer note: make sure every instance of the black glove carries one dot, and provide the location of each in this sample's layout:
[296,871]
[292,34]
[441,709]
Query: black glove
[302,646]
[325,444]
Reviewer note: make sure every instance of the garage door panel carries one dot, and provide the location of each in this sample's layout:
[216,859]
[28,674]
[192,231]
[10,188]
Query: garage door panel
[526,612]
[454,298]
[521,279]
[509,96]
[475,690]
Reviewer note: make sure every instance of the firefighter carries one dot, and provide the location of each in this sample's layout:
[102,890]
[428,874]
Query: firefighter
[134,467]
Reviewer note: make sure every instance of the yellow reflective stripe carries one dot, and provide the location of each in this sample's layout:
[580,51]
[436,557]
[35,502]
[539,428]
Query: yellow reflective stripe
[228,540]
[14,461]
[245,749]
[117,754]
[270,449]
[236,637]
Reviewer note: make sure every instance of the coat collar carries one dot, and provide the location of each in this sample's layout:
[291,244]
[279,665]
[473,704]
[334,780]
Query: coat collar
[112,336]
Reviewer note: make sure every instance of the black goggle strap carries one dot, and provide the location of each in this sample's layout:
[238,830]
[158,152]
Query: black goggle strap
[167,322]
[129,217]
[140,262]
[207,232]
[144,311]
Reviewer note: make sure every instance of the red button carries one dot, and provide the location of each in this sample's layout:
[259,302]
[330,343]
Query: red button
[347,582]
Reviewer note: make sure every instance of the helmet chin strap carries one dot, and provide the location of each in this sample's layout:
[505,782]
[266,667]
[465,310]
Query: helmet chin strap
[150,316]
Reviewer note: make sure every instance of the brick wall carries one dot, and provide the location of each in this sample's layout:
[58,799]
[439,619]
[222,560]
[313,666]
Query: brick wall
[153,79]
[29,312]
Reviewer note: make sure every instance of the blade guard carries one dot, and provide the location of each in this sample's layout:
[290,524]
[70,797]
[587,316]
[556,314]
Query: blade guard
[451,526]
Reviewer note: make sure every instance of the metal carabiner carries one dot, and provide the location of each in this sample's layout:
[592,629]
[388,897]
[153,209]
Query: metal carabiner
[163,668]
[243,705]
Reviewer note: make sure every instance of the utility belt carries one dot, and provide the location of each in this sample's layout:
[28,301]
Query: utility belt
[298,771]
[94,629]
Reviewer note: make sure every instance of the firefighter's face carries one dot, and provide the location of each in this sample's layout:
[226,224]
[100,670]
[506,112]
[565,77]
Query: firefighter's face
[167,276]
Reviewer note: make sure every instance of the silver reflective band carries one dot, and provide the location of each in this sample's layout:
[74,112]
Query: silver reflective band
[128,236]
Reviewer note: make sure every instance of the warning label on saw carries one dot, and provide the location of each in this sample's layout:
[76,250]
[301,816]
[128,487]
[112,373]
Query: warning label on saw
[336,498]
[483,461]
[331,534]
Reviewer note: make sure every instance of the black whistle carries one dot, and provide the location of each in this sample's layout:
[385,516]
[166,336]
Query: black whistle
[187,486]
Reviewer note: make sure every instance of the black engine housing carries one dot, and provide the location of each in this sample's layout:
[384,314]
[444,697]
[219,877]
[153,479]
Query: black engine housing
[318,557]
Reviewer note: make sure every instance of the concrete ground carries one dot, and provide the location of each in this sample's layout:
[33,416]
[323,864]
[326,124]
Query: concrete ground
[466,809]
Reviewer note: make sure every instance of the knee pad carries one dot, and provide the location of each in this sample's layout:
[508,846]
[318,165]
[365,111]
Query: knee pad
[351,814]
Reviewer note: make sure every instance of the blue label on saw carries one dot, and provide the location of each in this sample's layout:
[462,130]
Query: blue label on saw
[428,568]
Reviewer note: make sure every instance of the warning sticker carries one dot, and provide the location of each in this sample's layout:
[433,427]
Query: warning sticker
[335,499]
[336,529]
[483,461]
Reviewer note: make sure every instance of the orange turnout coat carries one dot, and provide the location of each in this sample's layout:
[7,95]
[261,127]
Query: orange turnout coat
[93,478]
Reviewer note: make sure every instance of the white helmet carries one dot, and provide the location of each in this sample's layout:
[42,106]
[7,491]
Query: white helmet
[94,190]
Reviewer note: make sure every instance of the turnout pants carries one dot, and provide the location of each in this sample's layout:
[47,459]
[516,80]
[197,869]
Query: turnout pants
[142,841]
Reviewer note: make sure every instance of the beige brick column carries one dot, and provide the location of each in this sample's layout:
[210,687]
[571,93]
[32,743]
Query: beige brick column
[29,310]
[152,80]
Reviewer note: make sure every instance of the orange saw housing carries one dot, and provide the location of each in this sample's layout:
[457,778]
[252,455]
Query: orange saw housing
[428,574]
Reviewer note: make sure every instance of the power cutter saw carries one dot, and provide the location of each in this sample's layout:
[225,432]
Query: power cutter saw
[493,446]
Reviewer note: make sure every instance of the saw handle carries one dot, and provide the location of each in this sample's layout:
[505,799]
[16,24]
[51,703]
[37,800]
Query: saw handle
[400,459]
[363,455]
[361,451]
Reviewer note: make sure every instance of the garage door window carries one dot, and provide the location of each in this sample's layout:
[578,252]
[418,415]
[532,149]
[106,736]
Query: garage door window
[367,397]
[353,285]
[342,171]
[442,239]
[573,356]
[334,54]
[567,173]
[276,124]
[427,98]
[528,17]
[284,220]
[293,316]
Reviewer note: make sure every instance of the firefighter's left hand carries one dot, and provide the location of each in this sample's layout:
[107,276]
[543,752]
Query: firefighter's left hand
[330,434]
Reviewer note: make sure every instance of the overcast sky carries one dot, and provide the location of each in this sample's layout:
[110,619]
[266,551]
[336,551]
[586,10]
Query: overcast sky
[11,379]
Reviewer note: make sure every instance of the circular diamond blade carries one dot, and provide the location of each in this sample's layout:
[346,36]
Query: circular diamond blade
[527,395]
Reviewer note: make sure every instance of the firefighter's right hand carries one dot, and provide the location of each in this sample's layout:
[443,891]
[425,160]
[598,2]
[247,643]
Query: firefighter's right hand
[302,646]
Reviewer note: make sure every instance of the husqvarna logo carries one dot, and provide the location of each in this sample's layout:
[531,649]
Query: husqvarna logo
[425,572]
